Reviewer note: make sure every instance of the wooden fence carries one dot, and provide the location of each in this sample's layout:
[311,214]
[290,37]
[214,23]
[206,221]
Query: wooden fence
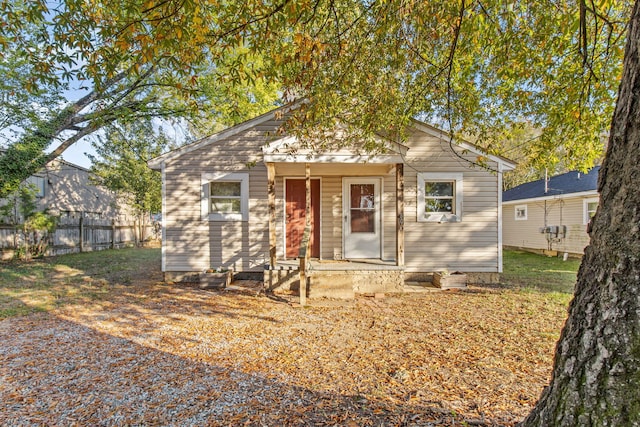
[81,234]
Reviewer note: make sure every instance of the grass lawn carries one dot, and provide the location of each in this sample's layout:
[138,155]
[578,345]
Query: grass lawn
[97,338]
[50,283]
[538,272]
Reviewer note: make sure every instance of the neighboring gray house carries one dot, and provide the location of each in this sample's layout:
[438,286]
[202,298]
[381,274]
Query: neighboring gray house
[552,215]
[90,217]
[66,189]
[237,200]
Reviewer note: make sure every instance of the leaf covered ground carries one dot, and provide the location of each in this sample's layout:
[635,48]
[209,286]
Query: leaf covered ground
[150,353]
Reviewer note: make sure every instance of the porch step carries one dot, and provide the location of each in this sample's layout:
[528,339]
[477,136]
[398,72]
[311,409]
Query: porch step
[419,287]
[337,279]
[330,284]
[348,283]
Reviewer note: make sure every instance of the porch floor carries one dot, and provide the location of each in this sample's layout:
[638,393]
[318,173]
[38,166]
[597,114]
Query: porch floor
[342,265]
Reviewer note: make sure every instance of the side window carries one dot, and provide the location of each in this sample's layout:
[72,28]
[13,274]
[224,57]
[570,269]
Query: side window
[589,209]
[225,196]
[521,212]
[439,197]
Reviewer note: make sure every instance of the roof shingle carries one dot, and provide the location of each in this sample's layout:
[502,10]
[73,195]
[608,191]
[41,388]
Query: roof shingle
[570,182]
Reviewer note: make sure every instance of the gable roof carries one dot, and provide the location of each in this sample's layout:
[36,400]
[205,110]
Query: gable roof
[568,183]
[156,163]
[506,164]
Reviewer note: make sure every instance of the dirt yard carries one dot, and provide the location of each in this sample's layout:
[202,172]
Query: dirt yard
[157,354]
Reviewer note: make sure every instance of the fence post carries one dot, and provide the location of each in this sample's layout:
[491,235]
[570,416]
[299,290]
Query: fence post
[113,234]
[81,225]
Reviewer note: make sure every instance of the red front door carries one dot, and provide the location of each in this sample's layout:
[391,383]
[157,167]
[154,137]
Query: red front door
[295,216]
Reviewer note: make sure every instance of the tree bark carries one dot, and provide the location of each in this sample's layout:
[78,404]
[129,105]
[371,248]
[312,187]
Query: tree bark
[596,374]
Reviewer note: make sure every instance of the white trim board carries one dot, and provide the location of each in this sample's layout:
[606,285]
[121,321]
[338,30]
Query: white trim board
[590,193]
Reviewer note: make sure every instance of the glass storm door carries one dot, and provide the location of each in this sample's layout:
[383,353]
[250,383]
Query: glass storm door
[361,205]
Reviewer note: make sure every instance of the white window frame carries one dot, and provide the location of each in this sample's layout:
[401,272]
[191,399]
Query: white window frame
[515,212]
[457,180]
[205,197]
[585,209]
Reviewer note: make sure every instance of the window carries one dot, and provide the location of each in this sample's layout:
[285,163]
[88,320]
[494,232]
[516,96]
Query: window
[521,212]
[589,209]
[37,183]
[439,197]
[225,196]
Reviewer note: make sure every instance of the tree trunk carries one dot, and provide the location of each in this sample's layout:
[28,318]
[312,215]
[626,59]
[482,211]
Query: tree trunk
[596,374]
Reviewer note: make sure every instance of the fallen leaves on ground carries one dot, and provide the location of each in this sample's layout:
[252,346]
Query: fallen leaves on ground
[158,354]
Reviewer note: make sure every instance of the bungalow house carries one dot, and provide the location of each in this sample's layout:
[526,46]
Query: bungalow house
[238,200]
[551,215]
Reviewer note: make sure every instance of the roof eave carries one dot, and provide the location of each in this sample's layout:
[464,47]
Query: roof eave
[156,162]
[588,193]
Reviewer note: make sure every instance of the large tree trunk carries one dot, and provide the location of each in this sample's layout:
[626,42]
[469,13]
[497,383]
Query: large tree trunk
[596,374]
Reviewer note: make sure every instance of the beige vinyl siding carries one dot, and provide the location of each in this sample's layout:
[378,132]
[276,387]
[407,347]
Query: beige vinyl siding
[389,217]
[526,234]
[470,245]
[193,244]
[331,205]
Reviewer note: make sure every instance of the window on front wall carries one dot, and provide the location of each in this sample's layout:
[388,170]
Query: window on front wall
[521,212]
[439,197]
[589,209]
[225,196]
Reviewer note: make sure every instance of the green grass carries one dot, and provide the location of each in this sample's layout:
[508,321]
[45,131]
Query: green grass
[538,272]
[46,284]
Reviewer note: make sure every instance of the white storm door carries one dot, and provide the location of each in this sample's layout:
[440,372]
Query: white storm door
[361,208]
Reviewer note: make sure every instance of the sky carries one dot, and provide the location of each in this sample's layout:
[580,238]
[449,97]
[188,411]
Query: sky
[76,153]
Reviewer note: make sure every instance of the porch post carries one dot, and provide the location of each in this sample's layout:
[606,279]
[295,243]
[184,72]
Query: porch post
[271,189]
[305,247]
[399,214]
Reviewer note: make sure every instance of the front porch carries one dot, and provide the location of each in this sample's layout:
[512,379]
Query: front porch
[336,279]
[331,223]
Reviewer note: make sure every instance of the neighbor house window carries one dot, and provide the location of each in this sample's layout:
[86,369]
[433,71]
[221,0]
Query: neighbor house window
[589,209]
[37,183]
[521,212]
[225,196]
[439,197]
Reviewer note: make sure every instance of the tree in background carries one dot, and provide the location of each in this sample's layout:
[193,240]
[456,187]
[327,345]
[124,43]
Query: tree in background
[229,102]
[130,61]
[475,68]
[121,166]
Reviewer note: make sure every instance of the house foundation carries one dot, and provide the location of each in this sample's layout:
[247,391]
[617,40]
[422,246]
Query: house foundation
[337,279]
